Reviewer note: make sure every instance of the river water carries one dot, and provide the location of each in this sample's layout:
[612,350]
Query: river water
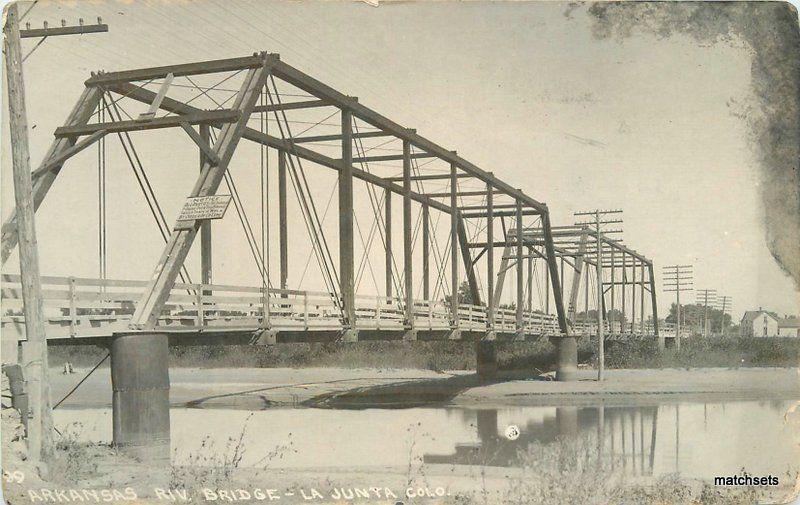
[694,440]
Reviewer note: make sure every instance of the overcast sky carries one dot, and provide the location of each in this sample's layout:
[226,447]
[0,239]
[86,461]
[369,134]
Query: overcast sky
[648,125]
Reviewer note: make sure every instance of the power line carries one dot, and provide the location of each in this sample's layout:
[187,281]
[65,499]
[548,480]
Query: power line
[598,223]
[678,278]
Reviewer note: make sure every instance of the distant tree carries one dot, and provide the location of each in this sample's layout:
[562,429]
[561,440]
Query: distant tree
[617,316]
[464,295]
[591,316]
[693,316]
[583,317]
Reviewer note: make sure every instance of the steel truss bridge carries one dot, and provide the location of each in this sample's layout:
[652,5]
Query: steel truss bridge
[247,100]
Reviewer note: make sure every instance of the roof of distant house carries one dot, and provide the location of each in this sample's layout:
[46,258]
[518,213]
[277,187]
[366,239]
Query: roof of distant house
[750,315]
[789,322]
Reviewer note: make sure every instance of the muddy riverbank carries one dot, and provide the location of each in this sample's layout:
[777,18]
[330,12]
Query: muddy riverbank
[256,388]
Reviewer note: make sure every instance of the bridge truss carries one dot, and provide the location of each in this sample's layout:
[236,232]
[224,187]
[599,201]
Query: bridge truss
[431,178]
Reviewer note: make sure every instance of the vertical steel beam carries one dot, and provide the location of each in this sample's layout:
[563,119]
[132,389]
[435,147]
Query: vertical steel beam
[80,115]
[547,289]
[283,217]
[520,276]
[633,296]
[586,297]
[426,244]
[655,306]
[612,317]
[454,282]
[163,279]
[641,299]
[624,287]
[388,226]
[408,266]
[346,255]
[561,272]
[490,302]
[206,264]
[486,352]
[529,303]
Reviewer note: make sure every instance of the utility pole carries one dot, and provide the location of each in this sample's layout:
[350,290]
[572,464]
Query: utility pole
[599,257]
[34,349]
[707,296]
[678,278]
[724,304]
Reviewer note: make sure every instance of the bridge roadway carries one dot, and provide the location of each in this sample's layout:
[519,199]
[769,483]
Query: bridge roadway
[90,311]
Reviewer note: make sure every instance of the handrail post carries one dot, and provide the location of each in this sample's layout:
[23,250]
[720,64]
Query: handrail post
[378,312]
[305,309]
[72,309]
[266,305]
[199,302]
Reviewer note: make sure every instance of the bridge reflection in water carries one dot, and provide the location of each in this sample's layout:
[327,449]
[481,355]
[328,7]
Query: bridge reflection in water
[623,437]
[695,440]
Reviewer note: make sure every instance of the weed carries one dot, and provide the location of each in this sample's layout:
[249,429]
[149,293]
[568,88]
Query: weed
[74,460]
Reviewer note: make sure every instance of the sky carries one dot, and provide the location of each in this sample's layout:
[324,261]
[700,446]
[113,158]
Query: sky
[522,89]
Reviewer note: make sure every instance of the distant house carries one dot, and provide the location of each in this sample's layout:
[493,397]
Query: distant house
[789,327]
[758,323]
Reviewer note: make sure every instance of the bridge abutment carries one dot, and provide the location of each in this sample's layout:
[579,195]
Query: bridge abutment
[140,402]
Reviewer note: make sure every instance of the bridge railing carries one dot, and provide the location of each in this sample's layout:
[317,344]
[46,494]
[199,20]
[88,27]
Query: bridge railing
[76,306]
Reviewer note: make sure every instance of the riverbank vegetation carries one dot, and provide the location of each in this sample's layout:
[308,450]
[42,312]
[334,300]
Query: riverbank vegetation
[728,352]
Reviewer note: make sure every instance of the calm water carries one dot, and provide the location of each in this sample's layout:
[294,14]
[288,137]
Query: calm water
[697,440]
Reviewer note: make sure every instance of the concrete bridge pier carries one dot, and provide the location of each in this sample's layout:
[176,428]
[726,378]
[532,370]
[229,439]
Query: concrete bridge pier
[486,354]
[566,358]
[140,403]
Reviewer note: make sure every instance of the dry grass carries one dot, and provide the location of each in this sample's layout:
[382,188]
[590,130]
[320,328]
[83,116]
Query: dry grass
[569,471]
[215,468]
[73,460]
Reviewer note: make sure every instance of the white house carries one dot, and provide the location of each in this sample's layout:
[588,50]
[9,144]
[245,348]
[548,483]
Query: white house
[789,327]
[758,323]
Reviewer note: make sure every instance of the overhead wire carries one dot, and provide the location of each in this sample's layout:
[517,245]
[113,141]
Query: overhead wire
[308,208]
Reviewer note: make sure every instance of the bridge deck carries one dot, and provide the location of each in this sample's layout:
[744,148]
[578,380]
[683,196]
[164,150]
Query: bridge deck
[86,309]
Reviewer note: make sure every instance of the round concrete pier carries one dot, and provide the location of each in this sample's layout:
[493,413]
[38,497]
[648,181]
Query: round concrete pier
[140,383]
[566,358]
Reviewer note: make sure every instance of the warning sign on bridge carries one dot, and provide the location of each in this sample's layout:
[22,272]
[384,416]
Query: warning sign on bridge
[204,207]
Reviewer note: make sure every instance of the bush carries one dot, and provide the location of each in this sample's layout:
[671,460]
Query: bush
[706,352]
